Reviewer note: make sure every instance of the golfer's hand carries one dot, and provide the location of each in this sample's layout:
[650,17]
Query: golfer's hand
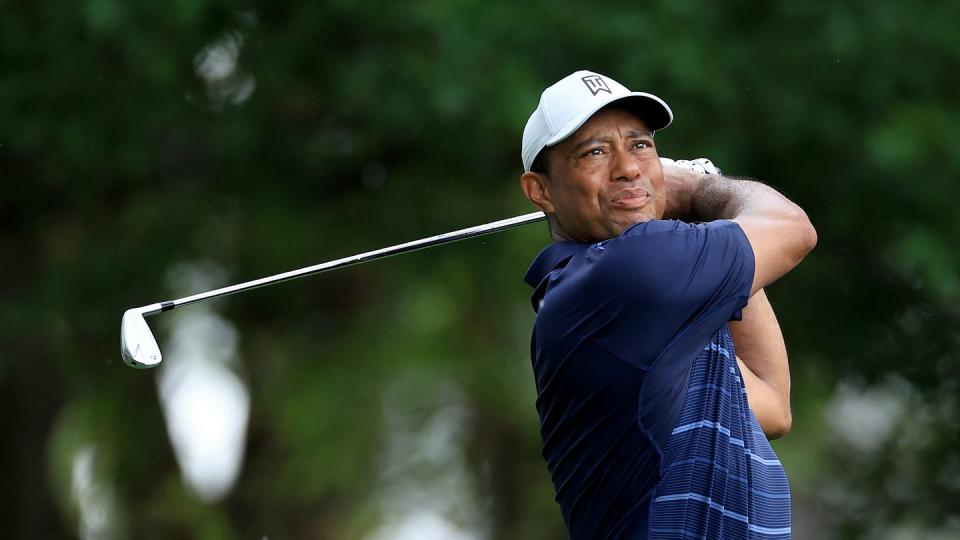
[699,165]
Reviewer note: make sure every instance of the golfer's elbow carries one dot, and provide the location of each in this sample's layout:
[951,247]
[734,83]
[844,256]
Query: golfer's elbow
[804,233]
[771,409]
[809,234]
[780,426]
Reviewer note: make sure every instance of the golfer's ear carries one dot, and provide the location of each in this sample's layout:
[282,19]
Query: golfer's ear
[534,186]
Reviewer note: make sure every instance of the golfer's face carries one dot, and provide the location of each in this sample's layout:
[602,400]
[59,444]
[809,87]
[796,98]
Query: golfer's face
[606,177]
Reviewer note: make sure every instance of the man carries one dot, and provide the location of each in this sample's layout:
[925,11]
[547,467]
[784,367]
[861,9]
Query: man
[652,427]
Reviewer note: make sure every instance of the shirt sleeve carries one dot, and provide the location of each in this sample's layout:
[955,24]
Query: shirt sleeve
[685,284]
[670,282]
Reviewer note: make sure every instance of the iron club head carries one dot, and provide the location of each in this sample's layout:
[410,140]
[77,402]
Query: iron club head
[137,345]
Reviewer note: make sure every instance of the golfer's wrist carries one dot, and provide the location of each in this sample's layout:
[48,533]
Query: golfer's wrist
[681,185]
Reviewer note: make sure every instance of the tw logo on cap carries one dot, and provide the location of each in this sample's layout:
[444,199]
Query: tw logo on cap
[596,84]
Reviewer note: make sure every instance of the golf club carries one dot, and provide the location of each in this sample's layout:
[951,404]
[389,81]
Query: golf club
[139,348]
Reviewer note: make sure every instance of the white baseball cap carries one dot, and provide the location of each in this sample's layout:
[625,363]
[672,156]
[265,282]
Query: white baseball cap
[572,100]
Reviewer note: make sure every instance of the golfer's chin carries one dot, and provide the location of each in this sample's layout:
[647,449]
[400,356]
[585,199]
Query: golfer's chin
[622,220]
[603,226]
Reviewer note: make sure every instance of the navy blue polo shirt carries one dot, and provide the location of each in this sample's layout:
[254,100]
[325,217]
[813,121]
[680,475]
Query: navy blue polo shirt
[644,418]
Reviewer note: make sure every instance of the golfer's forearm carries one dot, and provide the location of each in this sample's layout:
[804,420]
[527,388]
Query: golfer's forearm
[694,196]
[765,368]
[718,197]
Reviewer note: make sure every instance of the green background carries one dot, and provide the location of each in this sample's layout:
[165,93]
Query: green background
[149,150]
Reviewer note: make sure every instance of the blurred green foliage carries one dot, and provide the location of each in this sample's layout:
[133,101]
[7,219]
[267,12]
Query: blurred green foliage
[136,136]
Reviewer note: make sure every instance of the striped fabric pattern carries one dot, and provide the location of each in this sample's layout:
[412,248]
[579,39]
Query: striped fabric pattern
[721,478]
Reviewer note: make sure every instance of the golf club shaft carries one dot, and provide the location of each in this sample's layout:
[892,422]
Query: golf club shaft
[407,247]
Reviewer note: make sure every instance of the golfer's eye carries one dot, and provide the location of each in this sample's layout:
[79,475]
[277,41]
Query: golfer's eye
[642,145]
[593,152]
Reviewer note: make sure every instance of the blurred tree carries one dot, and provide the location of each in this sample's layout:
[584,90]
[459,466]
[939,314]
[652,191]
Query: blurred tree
[138,136]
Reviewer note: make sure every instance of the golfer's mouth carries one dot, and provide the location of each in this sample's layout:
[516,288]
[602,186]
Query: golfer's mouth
[631,198]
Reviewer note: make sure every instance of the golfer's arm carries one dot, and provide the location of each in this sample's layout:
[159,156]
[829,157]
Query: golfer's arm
[762,356]
[779,231]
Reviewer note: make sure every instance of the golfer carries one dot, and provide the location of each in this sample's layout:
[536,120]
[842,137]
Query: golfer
[660,367]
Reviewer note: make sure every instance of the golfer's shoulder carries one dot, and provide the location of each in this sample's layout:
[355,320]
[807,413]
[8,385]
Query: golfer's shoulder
[638,252]
[660,248]
[659,238]
[672,229]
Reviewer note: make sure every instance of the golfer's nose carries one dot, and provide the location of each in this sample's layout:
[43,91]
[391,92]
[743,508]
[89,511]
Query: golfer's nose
[625,167]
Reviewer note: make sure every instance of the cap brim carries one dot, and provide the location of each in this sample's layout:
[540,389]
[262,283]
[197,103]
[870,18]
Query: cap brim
[652,110]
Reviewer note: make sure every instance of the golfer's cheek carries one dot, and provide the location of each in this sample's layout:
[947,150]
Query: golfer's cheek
[661,205]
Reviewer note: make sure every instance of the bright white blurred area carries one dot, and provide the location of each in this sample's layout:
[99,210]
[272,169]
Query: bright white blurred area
[205,403]
[869,423]
[891,413]
[94,499]
[218,65]
[427,492]
[422,525]
[865,418]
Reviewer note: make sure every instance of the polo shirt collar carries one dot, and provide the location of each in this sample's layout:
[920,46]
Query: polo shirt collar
[553,256]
